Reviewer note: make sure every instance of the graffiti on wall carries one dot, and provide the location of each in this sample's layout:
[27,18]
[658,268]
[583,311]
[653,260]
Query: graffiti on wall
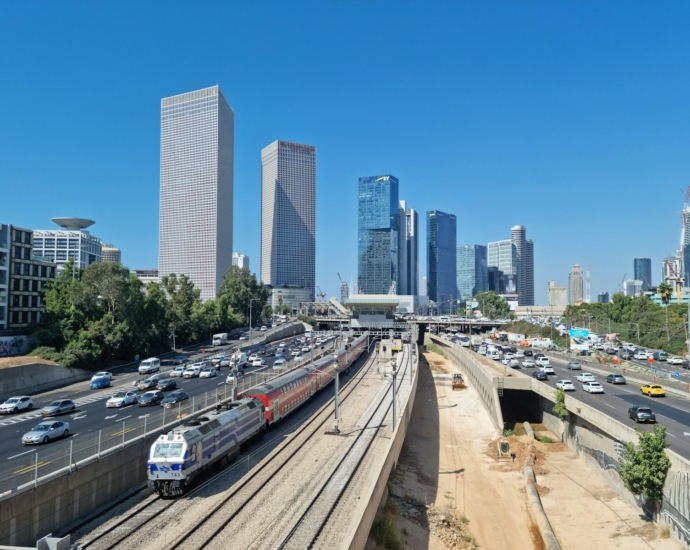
[676,506]
[12,346]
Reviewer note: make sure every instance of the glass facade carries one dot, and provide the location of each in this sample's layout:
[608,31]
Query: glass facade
[288,216]
[642,268]
[441,253]
[378,224]
[472,270]
[60,246]
[196,188]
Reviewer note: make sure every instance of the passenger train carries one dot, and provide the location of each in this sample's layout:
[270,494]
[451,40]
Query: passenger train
[177,457]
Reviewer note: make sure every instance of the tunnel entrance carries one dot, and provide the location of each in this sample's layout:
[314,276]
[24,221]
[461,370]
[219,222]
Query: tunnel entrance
[520,406]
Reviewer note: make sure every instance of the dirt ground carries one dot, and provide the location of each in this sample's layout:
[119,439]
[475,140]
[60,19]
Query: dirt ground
[19,360]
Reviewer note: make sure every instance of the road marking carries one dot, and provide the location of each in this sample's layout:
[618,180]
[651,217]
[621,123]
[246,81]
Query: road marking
[125,418]
[29,468]
[20,454]
[609,405]
[119,432]
[109,417]
[686,433]
[144,416]
[674,435]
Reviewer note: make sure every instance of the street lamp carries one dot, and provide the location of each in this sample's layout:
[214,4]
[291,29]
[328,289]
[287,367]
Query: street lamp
[336,430]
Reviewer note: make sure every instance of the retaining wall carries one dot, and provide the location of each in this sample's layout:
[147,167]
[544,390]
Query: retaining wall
[36,378]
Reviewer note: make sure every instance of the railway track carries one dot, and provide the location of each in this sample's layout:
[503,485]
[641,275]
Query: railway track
[134,521]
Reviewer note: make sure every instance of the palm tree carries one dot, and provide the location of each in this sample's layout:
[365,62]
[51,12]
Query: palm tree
[665,290]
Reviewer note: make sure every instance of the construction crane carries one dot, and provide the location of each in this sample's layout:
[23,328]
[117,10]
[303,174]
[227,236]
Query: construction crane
[677,281]
[622,283]
[320,294]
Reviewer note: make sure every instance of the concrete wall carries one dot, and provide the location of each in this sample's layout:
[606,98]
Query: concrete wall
[36,378]
[13,345]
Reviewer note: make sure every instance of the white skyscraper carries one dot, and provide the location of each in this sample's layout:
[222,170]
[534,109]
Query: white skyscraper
[240,260]
[503,255]
[197,165]
[288,216]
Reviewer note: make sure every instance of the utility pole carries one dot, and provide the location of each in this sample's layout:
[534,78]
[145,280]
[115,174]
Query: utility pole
[394,411]
[336,430]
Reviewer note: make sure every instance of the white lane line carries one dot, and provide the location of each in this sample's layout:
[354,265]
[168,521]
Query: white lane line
[669,433]
[125,418]
[20,454]
[609,405]
[109,417]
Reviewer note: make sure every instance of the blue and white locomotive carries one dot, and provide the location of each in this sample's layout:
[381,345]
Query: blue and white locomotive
[178,456]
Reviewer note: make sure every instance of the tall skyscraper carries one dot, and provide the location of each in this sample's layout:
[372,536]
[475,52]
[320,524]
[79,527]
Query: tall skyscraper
[109,253]
[240,260]
[412,220]
[424,287]
[503,255]
[378,223]
[524,252]
[288,216]
[472,270]
[197,165]
[576,287]
[603,297]
[403,267]
[633,287]
[441,262]
[642,268]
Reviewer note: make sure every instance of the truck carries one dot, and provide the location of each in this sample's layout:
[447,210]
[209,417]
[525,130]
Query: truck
[220,339]
[477,339]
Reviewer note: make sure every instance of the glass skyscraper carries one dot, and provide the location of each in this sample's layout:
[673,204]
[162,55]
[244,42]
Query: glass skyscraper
[472,270]
[378,223]
[288,216]
[524,253]
[642,268]
[197,164]
[441,263]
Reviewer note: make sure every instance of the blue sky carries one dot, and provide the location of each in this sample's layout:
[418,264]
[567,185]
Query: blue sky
[569,118]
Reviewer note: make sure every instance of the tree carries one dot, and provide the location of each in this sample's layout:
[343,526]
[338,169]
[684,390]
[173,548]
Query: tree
[665,291]
[643,466]
[183,299]
[559,406]
[242,291]
[492,305]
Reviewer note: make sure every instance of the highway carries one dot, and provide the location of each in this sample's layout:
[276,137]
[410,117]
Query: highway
[94,427]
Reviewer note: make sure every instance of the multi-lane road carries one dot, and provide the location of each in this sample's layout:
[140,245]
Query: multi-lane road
[94,427]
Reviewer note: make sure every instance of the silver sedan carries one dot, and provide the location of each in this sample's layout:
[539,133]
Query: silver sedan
[45,432]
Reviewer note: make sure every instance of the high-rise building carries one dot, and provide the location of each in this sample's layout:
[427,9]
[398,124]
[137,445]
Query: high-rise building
[603,297]
[5,240]
[377,234]
[402,282]
[472,270]
[196,202]
[558,295]
[686,264]
[424,287]
[503,255]
[240,260]
[73,242]
[288,216]
[147,276]
[633,287]
[441,259]
[524,252]
[642,268]
[495,277]
[412,222]
[111,254]
[576,287]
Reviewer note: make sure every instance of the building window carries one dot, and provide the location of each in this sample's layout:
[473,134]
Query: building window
[16,285]
[17,252]
[34,301]
[43,271]
[51,272]
[34,270]
[15,301]
[74,244]
[38,243]
[50,243]
[27,253]
[15,317]
[17,237]
[27,270]
[25,285]
[16,269]
[34,286]
[62,243]
[27,237]
[61,255]
[25,301]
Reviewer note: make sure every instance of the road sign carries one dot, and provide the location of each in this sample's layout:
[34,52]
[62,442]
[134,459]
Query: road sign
[676,375]
[579,333]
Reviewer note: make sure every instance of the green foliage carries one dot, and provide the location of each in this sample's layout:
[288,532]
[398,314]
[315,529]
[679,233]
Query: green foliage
[385,531]
[434,349]
[307,319]
[545,439]
[494,307]
[508,432]
[643,466]
[559,406]
[241,290]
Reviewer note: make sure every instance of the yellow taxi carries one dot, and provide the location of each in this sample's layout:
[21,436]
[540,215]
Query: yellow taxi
[653,390]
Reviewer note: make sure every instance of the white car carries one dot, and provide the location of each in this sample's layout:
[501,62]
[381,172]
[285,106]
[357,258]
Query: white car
[528,363]
[253,357]
[513,363]
[279,364]
[281,345]
[243,337]
[585,377]
[305,349]
[177,372]
[565,385]
[542,361]
[642,355]
[208,372]
[519,354]
[675,360]
[263,328]
[258,362]
[108,375]
[192,372]
[295,352]
[593,387]
[548,369]
[231,377]
[481,350]
[16,404]
[122,398]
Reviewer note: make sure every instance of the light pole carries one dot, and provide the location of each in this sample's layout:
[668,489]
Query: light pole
[336,430]
[394,412]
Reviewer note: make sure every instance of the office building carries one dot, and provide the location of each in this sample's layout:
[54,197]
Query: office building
[441,263]
[5,238]
[401,283]
[524,256]
[495,278]
[378,223]
[558,295]
[576,285]
[503,255]
[111,254]
[147,276]
[412,221]
[344,292]
[28,275]
[196,190]
[424,287]
[633,287]
[73,242]
[642,268]
[603,297]
[287,296]
[472,270]
[240,260]
[288,216]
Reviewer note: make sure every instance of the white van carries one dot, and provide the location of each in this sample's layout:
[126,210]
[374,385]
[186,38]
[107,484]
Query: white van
[494,355]
[240,358]
[279,364]
[150,365]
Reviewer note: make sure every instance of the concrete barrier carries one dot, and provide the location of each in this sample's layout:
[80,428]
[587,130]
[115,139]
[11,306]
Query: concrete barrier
[36,378]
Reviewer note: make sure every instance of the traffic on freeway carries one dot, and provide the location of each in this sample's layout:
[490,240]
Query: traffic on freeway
[95,422]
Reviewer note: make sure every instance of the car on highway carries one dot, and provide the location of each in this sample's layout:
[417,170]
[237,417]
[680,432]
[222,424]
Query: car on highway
[263,328]
[574,365]
[121,399]
[519,354]
[177,372]
[565,385]
[100,383]
[46,431]
[660,356]
[243,336]
[294,352]
[174,398]
[216,360]
[641,413]
[109,375]
[225,362]
[653,390]
[253,357]
[528,364]
[148,383]
[60,406]
[585,377]
[281,345]
[592,387]
[279,364]
[674,360]
[239,375]
[258,363]
[16,404]
[528,353]
[208,372]
[151,398]
[541,361]
[627,354]
[180,359]
[192,372]
[151,365]
[548,369]
[615,379]
[166,384]
[640,355]
[540,375]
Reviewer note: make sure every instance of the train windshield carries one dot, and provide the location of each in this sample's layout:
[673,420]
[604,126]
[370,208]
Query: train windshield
[168,450]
